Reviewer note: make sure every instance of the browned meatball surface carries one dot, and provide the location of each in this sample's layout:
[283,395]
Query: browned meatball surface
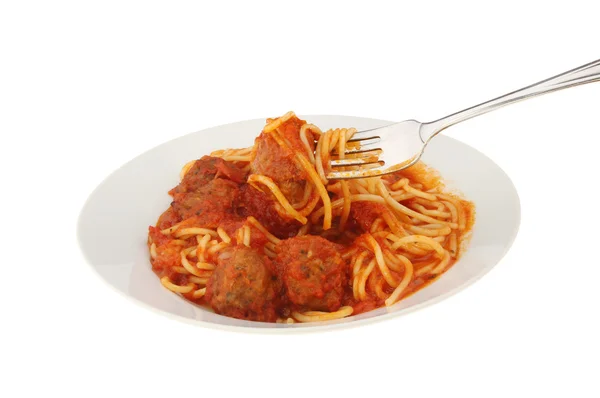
[312,270]
[205,170]
[244,286]
[210,204]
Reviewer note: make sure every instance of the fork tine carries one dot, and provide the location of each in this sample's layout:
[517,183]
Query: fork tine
[371,131]
[365,149]
[372,171]
[357,154]
[351,175]
[370,140]
[356,162]
[362,159]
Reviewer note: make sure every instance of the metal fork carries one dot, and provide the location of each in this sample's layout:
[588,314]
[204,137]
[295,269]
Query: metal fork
[406,141]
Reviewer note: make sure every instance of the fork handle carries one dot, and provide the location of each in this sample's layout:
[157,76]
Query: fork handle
[587,73]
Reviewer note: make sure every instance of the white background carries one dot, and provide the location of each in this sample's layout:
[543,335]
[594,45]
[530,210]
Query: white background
[85,86]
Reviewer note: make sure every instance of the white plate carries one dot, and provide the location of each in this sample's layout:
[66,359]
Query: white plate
[113,223]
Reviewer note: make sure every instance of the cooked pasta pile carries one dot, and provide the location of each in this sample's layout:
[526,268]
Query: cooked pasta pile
[259,233]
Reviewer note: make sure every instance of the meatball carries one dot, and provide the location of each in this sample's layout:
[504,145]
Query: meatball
[205,170]
[279,163]
[262,206]
[209,204]
[312,272]
[274,161]
[244,286]
[168,219]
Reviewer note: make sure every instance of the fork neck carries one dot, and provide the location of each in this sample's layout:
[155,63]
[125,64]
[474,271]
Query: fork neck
[587,73]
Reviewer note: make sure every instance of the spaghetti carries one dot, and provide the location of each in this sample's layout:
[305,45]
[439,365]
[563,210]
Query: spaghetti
[259,233]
